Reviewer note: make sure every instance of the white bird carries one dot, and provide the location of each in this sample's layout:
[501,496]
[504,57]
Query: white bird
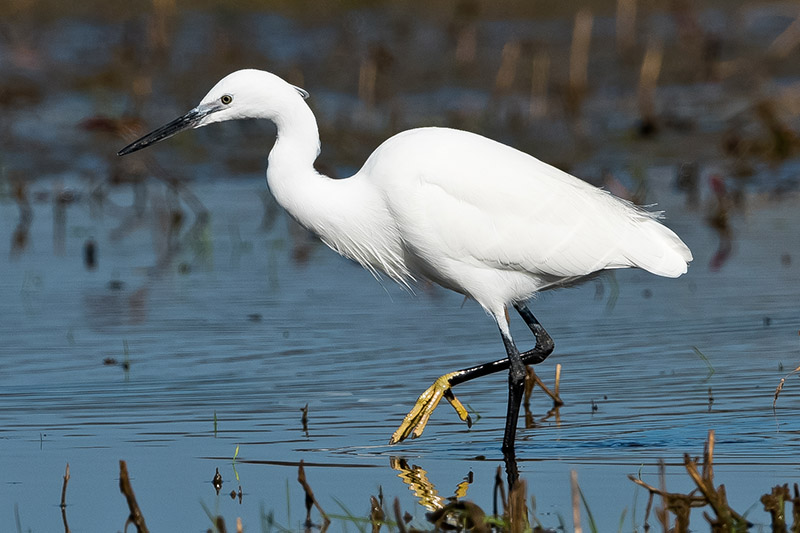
[455,208]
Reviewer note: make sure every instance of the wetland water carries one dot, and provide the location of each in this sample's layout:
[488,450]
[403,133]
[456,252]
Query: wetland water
[209,320]
[241,331]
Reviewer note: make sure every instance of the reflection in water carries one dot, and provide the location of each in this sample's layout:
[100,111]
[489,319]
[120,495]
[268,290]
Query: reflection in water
[304,419]
[90,254]
[456,513]
[417,480]
[19,239]
[216,481]
[688,181]
[62,198]
[719,220]
[512,472]
[190,362]
[116,306]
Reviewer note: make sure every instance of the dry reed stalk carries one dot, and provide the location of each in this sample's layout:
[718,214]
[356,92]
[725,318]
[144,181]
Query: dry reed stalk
[507,72]
[367,81]
[304,419]
[579,51]
[376,515]
[796,509]
[779,388]
[648,80]
[775,504]
[64,488]
[64,500]
[626,26]
[499,490]
[579,60]
[311,501]
[557,402]
[135,517]
[518,508]
[159,34]
[576,502]
[661,512]
[708,457]
[467,45]
[787,41]
[398,517]
[540,79]
[715,497]
[678,504]
[558,383]
[526,402]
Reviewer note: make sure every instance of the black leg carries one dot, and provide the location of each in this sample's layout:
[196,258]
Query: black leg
[416,419]
[516,388]
[537,354]
[544,342]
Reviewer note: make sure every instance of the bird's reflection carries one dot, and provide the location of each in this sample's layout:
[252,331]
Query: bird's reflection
[455,510]
[512,472]
[417,480]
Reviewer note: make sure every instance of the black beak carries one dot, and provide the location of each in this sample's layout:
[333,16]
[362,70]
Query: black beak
[189,120]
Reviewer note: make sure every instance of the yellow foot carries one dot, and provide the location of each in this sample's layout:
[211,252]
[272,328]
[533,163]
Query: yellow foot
[415,421]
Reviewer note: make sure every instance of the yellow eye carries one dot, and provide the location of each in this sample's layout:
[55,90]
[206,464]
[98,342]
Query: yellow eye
[226,99]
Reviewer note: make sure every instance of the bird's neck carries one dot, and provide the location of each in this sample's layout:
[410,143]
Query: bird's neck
[290,173]
[349,215]
[297,145]
[314,200]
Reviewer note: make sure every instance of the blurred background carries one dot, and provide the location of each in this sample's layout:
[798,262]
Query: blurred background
[162,309]
[596,87]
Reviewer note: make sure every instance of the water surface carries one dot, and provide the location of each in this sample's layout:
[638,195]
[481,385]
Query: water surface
[235,327]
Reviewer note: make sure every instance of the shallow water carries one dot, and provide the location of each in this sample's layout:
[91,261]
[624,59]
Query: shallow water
[231,326]
[210,320]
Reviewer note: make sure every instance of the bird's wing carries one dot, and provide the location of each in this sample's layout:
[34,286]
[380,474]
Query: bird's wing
[481,202]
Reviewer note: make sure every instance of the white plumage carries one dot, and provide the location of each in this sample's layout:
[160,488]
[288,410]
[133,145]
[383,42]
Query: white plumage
[453,207]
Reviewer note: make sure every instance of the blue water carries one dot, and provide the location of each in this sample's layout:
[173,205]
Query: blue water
[232,325]
[211,320]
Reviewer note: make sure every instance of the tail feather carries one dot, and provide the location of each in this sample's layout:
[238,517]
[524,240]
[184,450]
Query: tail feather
[657,249]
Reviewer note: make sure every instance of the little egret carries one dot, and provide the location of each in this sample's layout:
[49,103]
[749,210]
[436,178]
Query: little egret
[452,207]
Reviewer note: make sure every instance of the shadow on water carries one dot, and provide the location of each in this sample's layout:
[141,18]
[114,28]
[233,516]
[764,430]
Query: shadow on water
[161,309]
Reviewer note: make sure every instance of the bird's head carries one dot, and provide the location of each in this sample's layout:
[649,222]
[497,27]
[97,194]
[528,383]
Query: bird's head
[242,94]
